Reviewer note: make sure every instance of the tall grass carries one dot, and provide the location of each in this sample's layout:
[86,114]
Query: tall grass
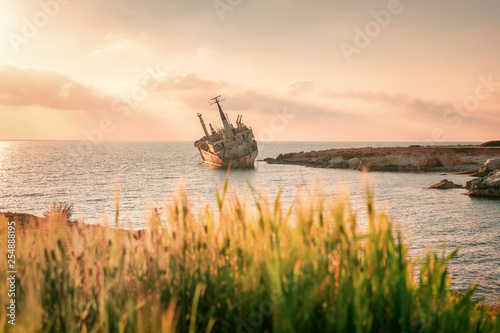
[236,267]
[59,211]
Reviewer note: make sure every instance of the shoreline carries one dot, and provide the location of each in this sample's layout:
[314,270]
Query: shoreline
[463,159]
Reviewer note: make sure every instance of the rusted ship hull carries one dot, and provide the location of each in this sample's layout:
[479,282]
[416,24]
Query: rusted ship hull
[230,146]
[246,161]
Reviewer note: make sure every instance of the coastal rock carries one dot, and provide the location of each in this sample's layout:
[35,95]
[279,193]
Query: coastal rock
[401,159]
[492,164]
[489,166]
[486,186]
[446,184]
[468,172]
[491,144]
[22,220]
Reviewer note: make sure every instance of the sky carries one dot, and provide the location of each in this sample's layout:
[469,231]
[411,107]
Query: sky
[420,71]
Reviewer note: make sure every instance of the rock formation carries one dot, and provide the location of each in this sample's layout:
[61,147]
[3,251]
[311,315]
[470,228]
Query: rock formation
[419,159]
[491,144]
[446,184]
[489,166]
[486,186]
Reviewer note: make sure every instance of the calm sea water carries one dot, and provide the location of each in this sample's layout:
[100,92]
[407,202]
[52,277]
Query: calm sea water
[34,174]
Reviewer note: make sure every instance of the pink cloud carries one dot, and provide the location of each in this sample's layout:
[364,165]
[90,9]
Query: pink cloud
[26,86]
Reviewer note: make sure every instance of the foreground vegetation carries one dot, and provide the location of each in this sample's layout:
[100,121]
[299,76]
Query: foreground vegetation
[235,267]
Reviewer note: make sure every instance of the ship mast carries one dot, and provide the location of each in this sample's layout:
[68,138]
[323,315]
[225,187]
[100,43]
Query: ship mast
[203,125]
[227,128]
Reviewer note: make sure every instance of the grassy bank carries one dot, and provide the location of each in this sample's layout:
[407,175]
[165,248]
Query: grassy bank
[236,267]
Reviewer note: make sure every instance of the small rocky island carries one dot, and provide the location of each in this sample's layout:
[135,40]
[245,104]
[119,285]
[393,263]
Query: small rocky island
[479,161]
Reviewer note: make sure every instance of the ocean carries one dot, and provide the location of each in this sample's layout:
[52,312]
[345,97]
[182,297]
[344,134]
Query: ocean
[34,174]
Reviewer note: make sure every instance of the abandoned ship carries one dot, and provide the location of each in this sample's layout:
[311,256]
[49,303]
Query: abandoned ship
[227,146]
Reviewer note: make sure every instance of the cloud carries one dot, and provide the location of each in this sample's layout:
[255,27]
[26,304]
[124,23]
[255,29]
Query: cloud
[118,46]
[300,87]
[413,107]
[26,86]
[193,92]
[266,103]
[399,100]
[189,81]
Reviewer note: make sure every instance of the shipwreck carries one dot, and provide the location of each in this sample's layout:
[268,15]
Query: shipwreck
[228,146]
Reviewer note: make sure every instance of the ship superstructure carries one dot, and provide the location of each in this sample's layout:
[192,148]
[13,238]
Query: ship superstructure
[229,145]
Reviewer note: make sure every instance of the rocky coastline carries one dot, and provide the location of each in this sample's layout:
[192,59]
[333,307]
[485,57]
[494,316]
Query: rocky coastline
[487,186]
[477,161]
[402,159]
